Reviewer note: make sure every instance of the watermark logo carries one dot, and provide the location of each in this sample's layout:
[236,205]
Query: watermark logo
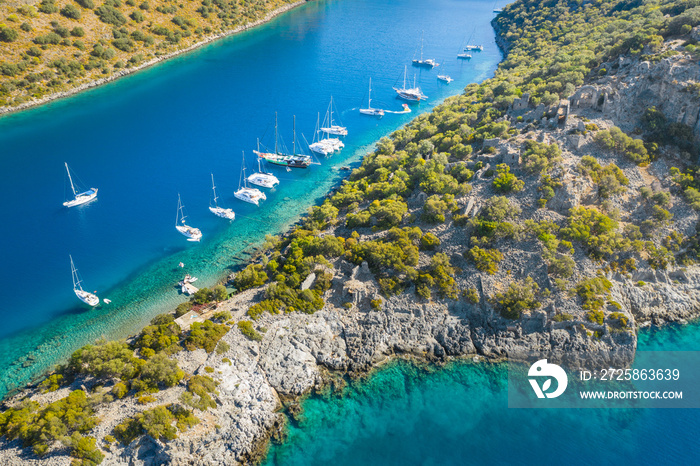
[543,369]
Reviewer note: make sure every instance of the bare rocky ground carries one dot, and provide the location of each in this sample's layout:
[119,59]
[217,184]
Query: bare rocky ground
[300,353]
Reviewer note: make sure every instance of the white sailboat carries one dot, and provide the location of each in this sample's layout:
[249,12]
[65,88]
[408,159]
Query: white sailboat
[324,144]
[474,48]
[328,126]
[220,211]
[285,160]
[262,178]
[88,298]
[445,78]
[192,234]
[428,62]
[244,193]
[464,56]
[79,198]
[413,94]
[369,110]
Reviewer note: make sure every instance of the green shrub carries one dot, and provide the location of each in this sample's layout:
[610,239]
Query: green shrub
[563,317]
[199,390]
[110,15]
[7,34]
[539,157]
[252,276]
[596,316]
[617,141]
[429,242]
[51,383]
[249,331]
[137,16]
[160,371]
[205,335]
[70,11]
[84,449]
[89,4]
[505,182]
[106,360]
[376,304]
[156,422]
[222,347]
[519,297]
[471,295]
[621,320]
[119,390]
[594,292]
[48,7]
[485,260]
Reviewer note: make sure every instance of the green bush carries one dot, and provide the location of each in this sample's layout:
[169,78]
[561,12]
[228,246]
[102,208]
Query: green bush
[70,11]
[160,371]
[485,260]
[539,157]
[106,360]
[429,242]
[157,423]
[89,4]
[519,297]
[51,383]
[7,34]
[199,390]
[563,317]
[505,182]
[594,292]
[596,316]
[48,7]
[617,141]
[471,295]
[205,335]
[110,15]
[119,390]
[247,329]
[621,320]
[252,276]
[610,179]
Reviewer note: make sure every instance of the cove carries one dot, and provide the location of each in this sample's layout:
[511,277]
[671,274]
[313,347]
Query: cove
[458,414]
[146,138]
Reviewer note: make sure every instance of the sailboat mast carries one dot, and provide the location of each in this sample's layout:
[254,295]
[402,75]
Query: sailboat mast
[421,46]
[276,151]
[330,121]
[213,187]
[404,77]
[369,104]
[242,179]
[70,179]
[294,135]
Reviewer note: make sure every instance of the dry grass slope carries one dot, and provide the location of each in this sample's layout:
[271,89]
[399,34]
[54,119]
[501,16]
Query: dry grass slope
[51,46]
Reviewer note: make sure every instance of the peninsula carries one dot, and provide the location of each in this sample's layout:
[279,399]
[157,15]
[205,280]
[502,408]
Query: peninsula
[55,48]
[552,208]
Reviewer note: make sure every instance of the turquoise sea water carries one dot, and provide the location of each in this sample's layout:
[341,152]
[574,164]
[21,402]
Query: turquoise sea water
[146,138]
[456,415]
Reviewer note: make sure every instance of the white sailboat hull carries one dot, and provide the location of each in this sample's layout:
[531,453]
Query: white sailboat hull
[265,180]
[336,130]
[82,198]
[88,298]
[223,213]
[192,234]
[250,195]
[372,111]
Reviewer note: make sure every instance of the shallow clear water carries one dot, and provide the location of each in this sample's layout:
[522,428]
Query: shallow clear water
[459,414]
[146,138]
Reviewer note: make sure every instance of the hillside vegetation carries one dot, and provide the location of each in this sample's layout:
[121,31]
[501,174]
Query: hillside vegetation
[49,46]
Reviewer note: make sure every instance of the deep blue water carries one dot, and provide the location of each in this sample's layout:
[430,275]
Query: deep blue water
[146,138]
[459,415]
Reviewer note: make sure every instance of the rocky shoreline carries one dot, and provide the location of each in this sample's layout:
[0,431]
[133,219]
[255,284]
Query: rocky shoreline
[127,71]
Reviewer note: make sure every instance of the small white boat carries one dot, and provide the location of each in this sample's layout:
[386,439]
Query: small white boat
[464,56]
[181,264]
[79,197]
[107,301]
[328,126]
[474,48]
[244,193]
[262,178]
[192,234]
[369,110]
[428,62]
[445,78]
[88,298]
[189,289]
[219,211]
